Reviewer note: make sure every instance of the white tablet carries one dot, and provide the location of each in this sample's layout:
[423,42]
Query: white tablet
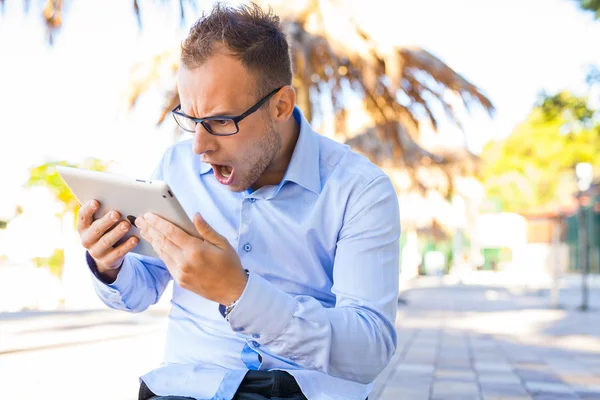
[130,197]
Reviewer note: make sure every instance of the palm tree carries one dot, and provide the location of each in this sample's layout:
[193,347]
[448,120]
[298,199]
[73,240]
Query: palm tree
[400,89]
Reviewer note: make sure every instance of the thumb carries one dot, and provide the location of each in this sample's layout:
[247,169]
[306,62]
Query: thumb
[206,231]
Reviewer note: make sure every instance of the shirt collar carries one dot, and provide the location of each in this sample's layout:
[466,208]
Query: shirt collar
[304,164]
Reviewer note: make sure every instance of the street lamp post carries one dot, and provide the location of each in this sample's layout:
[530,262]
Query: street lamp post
[584,173]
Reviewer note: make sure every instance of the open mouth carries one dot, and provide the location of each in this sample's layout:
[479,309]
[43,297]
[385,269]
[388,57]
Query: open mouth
[223,173]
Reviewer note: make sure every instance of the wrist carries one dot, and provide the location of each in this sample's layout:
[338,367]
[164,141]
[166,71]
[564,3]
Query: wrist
[106,274]
[228,305]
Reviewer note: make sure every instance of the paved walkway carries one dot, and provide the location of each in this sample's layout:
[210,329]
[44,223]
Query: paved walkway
[454,342]
[478,342]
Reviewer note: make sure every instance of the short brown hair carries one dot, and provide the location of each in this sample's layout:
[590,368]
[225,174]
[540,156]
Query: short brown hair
[253,35]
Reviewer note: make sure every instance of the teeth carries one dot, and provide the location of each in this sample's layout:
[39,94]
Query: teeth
[225,171]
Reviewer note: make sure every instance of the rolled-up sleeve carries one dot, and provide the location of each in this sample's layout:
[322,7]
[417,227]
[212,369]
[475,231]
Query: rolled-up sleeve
[365,273]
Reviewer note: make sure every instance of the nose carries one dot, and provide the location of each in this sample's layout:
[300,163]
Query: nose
[203,142]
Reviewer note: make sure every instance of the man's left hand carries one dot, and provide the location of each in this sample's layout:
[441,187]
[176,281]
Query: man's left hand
[207,266]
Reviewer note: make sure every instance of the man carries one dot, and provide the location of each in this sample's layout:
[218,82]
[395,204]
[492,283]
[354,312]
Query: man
[291,291]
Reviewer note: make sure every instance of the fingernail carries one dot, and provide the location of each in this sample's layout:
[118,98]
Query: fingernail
[134,240]
[93,204]
[125,226]
[113,216]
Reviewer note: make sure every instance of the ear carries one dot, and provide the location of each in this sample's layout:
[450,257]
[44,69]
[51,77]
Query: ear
[283,103]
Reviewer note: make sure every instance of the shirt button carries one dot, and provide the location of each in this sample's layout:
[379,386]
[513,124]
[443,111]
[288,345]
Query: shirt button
[256,336]
[252,199]
[247,247]
[254,343]
[238,329]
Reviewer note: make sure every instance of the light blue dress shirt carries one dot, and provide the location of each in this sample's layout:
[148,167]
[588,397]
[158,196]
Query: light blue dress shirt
[322,251]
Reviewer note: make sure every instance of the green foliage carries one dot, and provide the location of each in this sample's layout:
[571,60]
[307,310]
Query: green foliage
[534,166]
[565,105]
[590,5]
[55,262]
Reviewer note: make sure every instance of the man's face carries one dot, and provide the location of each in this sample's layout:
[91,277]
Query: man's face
[223,87]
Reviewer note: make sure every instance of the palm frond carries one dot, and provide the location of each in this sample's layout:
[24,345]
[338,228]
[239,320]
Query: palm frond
[52,13]
[138,14]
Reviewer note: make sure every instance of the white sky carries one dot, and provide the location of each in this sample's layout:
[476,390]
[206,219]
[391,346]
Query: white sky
[65,102]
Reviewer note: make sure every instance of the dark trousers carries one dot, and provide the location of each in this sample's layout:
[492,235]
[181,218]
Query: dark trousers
[257,385]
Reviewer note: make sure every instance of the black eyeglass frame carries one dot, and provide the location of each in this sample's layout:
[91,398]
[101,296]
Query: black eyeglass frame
[235,119]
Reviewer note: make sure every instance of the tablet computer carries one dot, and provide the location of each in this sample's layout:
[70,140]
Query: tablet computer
[130,197]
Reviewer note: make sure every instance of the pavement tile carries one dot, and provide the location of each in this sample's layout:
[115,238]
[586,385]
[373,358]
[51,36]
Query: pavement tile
[588,389]
[574,380]
[444,349]
[422,350]
[425,342]
[422,368]
[397,393]
[454,365]
[589,396]
[520,358]
[404,374]
[457,397]
[548,388]
[492,366]
[504,390]
[418,385]
[418,361]
[456,379]
[501,378]
[566,364]
[453,360]
[454,373]
[479,359]
[573,372]
[537,376]
[451,389]
[591,361]
[538,366]
[457,368]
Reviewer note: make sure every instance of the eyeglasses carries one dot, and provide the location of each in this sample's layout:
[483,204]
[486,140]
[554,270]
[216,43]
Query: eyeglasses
[221,125]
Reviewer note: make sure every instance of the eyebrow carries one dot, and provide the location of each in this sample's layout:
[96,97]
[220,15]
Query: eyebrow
[218,114]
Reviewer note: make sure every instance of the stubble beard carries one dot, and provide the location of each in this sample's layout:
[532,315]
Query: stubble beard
[261,156]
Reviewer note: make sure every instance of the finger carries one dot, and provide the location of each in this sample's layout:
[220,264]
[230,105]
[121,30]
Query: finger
[161,244]
[106,242]
[86,215]
[98,228]
[207,232]
[167,229]
[113,256]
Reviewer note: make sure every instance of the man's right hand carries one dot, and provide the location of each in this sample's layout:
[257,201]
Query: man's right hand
[98,239]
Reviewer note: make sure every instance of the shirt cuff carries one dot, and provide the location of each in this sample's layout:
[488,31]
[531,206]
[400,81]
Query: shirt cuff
[123,277]
[263,310]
